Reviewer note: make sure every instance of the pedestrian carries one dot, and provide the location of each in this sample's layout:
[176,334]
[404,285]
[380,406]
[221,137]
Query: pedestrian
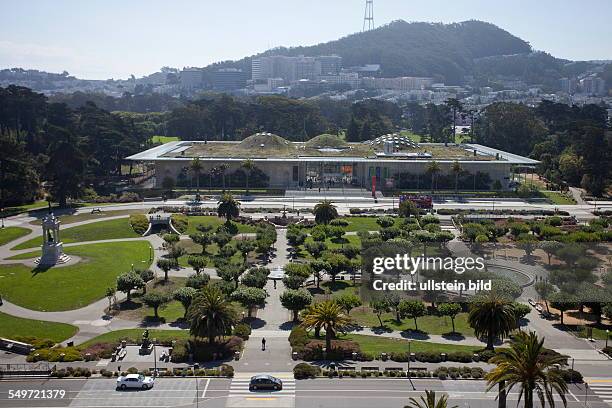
[273,280]
[263,344]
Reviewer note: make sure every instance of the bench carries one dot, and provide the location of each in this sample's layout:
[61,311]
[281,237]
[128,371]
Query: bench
[394,369]
[370,369]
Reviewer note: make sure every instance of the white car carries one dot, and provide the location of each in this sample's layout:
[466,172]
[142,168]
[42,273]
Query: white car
[135,381]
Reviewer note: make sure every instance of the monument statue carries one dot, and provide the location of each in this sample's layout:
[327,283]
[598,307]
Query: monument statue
[52,247]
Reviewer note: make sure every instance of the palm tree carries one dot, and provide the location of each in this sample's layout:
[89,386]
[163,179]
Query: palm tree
[248,165]
[327,315]
[527,365]
[228,207]
[222,168]
[324,212]
[492,316]
[196,169]
[430,401]
[456,169]
[433,168]
[211,314]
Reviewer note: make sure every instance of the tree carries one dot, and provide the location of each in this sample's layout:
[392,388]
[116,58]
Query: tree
[318,266]
[412,309]
[408,209]
[295,300]
[550,247]
[527,243]
[433,169]
[457,170]
[155,300]
[196,168]
[222,168]
[202,238]
[210,314]
[110,295]
[326,315]
[563,302]
[165,265]
[230,273]
[197,263]
[197,281]
[379,307]
[255,277]
[249,298]
[315,248]
[337,263]
[185,296]
[348,301]
[228,207]
[544,290]
[126,282]
[429,401]
[455,107]
[492,316]
[65,181]
[324,212]
[527,364]
[248,165]
[451,310]
[293,281]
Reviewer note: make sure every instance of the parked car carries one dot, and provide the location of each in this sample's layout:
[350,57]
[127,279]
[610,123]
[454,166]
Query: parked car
[135,381]
[265,382]
[532,302]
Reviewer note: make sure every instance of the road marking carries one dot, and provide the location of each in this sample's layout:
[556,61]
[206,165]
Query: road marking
[206,387]
[602,388]
[261,398]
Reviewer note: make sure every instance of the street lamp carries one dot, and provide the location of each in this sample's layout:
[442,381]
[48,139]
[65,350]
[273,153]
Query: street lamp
[607,337]
[154,358]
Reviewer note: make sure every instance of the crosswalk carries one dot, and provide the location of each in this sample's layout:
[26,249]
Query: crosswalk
[602,388]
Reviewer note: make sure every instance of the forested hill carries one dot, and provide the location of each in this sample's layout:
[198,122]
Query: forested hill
[414,49]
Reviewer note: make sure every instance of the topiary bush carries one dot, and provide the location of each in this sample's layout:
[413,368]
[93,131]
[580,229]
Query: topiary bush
[242,330]
[139,223]
[305,370]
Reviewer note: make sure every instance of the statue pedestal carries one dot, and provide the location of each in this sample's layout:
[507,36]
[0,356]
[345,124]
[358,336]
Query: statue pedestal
[52,254]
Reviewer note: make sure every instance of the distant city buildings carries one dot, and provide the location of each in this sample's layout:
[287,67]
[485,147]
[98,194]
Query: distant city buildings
[294,68]
[228,79]
[191,78]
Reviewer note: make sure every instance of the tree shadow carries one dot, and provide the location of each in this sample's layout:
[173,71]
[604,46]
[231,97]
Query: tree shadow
[287,325]
[255,322]
[152,321]
[40,269]
[453,336]
[414,335]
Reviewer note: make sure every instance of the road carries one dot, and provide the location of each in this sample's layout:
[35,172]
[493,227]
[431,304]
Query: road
[320,393]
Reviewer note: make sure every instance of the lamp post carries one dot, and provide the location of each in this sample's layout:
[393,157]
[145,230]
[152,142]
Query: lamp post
[607,337]
[197,391]
[409,358]
[154,358]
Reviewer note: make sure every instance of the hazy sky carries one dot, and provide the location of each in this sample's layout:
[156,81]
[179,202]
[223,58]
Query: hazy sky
[115,38]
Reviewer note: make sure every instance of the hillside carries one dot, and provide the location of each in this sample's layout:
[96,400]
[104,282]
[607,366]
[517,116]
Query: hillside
[446,51]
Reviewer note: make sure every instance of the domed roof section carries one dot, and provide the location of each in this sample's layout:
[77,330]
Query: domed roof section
[264,141]
[400,141]
[326,140]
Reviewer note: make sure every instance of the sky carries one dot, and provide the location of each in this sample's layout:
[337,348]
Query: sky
[97,39]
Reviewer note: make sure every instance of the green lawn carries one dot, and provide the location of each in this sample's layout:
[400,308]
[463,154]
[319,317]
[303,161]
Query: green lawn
[9,234]
[164,139]
[377,345]
[11,327]
[362,224]
[557,198]
[136,334]
[96,231]
[214,222]
[74,286]
[71,218]
[428,324]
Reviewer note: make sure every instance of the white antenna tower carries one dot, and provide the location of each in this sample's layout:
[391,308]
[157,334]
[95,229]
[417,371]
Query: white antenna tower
[368,16]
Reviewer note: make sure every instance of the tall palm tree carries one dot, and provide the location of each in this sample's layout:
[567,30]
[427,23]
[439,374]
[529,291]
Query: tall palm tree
[248,165]
[525,364]
[228,207]
[429,401]
[324,212]
[433,168]
[196,168]
[210,314]
[222,168]
[492,316]
[456,169]
[327,315]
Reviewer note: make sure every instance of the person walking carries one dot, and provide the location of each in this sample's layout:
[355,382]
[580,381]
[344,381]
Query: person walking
[263,344]
[274,283]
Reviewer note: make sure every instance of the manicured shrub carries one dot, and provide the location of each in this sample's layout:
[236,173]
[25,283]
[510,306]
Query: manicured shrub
[139,223]
[305,370]
[180,222]
[242,330]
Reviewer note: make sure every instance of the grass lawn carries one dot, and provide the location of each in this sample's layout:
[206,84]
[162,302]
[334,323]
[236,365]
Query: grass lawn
[69,219]
[9,234]
[377,345]
[11,326]
[214,222]
[136,310]
[362,224]
[74,286]
[164,139]
[557,198]
[96,231]
[428,324]
[136,334]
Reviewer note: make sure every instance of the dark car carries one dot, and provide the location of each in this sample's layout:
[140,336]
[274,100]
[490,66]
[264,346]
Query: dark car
[265,382]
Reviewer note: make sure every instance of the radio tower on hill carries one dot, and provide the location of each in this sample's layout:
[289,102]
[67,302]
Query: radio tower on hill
[368,17]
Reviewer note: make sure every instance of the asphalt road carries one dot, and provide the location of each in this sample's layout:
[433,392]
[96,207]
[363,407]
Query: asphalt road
[320,393]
